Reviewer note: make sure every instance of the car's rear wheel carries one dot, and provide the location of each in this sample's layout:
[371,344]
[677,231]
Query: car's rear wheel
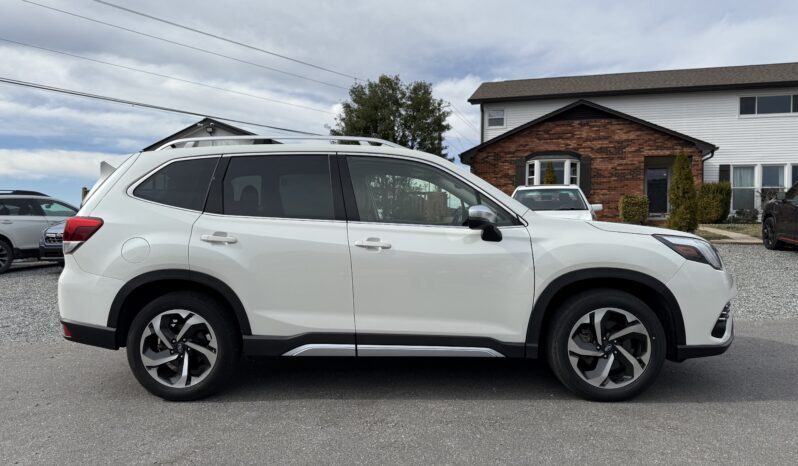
[6,256]
[606,345]
[182,346]
[769,234]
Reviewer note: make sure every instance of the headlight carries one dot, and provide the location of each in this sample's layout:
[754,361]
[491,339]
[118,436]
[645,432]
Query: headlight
[693,249]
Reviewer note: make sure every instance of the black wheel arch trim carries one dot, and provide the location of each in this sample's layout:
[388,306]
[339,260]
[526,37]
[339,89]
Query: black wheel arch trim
[541,307]
[199,278]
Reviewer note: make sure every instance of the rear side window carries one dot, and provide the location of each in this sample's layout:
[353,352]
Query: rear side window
[21,207]
[181,184]
[282,186]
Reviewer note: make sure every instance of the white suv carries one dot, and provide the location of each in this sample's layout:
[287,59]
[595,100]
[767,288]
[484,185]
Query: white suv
[192,256]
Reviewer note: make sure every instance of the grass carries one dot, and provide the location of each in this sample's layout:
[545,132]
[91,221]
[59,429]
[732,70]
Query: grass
[709,236]
[750,229]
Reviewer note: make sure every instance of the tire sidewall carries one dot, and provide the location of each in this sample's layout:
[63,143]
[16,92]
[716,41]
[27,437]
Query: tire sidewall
[10,252]
[770,242]
[227,345]
[575,309]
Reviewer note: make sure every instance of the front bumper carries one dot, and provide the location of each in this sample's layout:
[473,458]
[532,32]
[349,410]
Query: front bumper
[51,252]
[94,335]
[700,351]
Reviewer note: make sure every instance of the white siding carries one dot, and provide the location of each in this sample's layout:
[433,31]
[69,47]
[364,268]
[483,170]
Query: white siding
[710,116]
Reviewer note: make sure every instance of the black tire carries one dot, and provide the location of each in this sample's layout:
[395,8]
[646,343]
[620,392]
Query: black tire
[6,256]
[227,345]
[769,235]
[582,305]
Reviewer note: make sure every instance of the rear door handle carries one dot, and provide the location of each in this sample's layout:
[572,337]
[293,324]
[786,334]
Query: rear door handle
[219,237]
[373,244]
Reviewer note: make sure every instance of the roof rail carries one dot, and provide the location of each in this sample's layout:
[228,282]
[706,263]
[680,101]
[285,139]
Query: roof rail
[22,192]
[187,142]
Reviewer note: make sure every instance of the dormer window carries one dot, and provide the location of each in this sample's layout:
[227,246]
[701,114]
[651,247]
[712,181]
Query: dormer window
[495,118]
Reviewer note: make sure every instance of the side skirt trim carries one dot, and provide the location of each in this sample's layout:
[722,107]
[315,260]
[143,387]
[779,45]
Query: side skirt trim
[323,350]
[426,351]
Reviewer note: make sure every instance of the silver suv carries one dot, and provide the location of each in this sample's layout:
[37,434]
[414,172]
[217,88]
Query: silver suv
[24,215]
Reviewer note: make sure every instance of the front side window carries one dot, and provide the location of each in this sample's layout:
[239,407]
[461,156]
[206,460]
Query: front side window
[495,118]
[551,199]
[56,209]
[181,184]
[279,186]
[20,206]
[399,191]
[742,188]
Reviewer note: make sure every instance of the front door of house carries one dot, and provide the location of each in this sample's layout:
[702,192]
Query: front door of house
[657,190]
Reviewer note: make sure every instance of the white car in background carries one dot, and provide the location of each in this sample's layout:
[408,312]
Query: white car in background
[560,201]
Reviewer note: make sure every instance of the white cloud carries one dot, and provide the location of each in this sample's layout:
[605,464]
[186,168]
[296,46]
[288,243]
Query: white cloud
[42,164]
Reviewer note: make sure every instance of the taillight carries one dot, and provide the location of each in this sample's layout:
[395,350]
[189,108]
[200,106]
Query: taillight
[78,230]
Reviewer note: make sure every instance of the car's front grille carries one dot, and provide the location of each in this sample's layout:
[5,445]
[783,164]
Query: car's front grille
[54,238]
[720,326]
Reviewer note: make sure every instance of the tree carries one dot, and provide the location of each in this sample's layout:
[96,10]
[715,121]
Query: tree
[682,196]
[406,114]
[549,177]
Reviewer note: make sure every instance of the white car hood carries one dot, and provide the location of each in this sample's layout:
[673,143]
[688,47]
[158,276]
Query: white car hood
[638,229]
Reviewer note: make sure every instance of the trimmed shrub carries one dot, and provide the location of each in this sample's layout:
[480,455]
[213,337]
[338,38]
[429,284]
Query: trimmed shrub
[549,177]
[714,201]
[682,196]
[633,209]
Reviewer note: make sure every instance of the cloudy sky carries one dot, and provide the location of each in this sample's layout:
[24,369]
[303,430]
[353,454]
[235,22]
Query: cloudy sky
[54,142]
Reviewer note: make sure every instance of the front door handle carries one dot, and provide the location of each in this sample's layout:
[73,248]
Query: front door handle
[6,222]
[372,244]
[219,237]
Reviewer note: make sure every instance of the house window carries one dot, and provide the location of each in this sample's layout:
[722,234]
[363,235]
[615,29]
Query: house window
[495,118]
[742,188]
[794,175]
[566,171]
[772,181]
[530,174]
[765,104]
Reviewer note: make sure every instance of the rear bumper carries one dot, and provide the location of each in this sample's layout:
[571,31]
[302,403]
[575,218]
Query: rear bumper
[94,335]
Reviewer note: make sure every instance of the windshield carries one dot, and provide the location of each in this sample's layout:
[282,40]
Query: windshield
[551,199]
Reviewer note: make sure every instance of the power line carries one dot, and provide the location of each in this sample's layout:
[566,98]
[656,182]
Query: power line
[459,115]
[268,99]
[180,44]
[140,104]
[232,41]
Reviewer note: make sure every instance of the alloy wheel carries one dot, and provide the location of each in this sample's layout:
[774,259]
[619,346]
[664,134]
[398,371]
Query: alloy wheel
[609,348]
[767,233]
[4,255]
[178,348]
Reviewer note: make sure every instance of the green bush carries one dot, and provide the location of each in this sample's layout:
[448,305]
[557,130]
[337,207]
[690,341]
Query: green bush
[714,200]
[633,209]
[682,196]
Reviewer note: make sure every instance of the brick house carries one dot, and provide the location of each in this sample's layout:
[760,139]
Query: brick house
[605,152]
[616,134]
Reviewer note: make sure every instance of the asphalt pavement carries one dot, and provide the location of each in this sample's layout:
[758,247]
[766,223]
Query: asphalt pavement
[62,403]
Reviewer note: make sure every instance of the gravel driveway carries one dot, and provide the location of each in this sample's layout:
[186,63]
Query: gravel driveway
[765,281]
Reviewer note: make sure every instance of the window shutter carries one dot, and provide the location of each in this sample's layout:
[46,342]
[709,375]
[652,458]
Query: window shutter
[724,174]
[520,172]
[585,172]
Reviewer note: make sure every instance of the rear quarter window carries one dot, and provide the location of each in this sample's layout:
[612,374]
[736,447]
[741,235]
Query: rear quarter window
[181,184]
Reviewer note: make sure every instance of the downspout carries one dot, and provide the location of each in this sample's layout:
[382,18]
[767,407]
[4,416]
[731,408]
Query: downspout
[704,159]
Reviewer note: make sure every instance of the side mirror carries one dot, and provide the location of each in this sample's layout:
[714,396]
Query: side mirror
[481,217]
[596,207]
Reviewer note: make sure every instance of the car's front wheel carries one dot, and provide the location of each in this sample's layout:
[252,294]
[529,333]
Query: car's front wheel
[182,346]
[769,234]
[6,256]
[606,345]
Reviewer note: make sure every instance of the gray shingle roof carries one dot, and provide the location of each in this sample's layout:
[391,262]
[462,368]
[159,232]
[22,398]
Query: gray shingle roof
[729,77]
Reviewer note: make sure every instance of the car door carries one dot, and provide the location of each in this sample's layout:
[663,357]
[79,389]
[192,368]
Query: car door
[23,220]
[417,271]
[788,215]
[274,232]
